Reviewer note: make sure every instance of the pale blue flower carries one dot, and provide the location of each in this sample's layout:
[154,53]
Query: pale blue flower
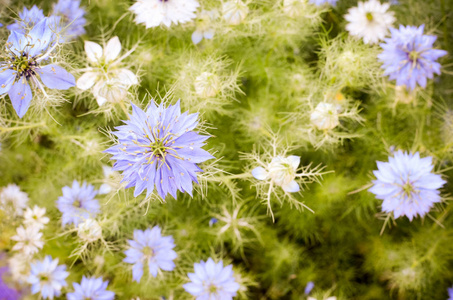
[159,148]
[407,185]
[409,56]
[72,17]
[151,248]
[27,19]
[47,277]
[78,204]
[91,289]
[212,281]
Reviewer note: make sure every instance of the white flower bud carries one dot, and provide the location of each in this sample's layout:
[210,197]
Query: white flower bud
[207,85]
[325,116]
[235,11]
[281,171]
[89,231]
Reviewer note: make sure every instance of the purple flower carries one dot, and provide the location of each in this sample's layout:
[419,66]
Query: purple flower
[78,204]
[407,185]
[47,277]
[28,19]
[72,17]
[24,70]
[6,292]
[91,288]
[450,293]
[322,2]
[152,248]
[409,56]
[159,148]
[212,281]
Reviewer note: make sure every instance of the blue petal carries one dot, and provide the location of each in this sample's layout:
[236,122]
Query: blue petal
[55,77]
[20,95]
[7,77]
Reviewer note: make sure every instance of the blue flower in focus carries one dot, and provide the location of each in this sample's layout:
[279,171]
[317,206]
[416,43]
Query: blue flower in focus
[322,2]
[91,288]
[23,71]
[6,292]
[212,281]
[47,277]
[72,17]
[407,185]
[78,204]
[159,148]
[409,56]
[151,248]
[28,18]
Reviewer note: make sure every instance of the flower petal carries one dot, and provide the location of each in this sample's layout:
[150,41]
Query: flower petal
[112,49]
[93,51]
[7,77]
[55,77]
[20,95]
[87,80]
[259,173]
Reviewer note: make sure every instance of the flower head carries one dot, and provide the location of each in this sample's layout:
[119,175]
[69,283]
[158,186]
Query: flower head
[77,203]
[370,21]
[156,12]
[47,277]
[27,19]
[12,200]
[407,185]
[89,231]
[91,289]
[36,217]
[204,26]
[159,148]
[24,70]
[28,240]
[72,17]
[207,85]
[409,56]
[281,171]
[322,2]
[151,248]
[325,116]
[212,281]
[108,80]
[234,11]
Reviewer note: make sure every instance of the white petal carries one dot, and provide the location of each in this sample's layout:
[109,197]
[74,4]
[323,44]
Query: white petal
[112,49]
[291,187]
[93,51]
[127,77]
[294,161]
[99,99]
[87,80]
[197,36]
[259,173]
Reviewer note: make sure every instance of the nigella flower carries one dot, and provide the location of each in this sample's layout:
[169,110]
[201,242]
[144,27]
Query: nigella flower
[28,240]
[322,2]
[156,12]
[159,148]
[212,281]
[234,11]
[72,17]
[24,70]
[89,231]
[407,185]
[370,21]
[280,171]
[409,56]
[91,288]
[47,277]
[77,203]
[36,217]
[204,26]
[27,19]
[151,248]
[325,116]
[12,200]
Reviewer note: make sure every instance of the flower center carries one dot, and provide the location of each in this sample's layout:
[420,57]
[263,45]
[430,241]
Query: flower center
[212,288]
[369,16]
[148,252]
[408,189]
[77,203]
[158,148]
[23,65]
[414,55]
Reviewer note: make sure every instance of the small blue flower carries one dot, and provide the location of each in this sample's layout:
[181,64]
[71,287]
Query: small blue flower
[72,17]
[409,56]
[47,277]
[212,222]
[212,281]
[24,70]
[310,285]
[322,2]
[151,248]
[28,18]
[78,204]
[407,185]
[91,289]
[159,148]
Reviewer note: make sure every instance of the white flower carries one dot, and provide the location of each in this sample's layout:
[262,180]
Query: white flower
[19,266]
[235,11]
[28,240]
[325,116]
[369,21]
[35,217]
[204,26]
[109,82]
[89,231]
[12,200]
[156,12]
[207,85]
[281,171]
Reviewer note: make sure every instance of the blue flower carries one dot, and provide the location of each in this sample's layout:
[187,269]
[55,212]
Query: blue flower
[92,289]
[47,277]
[310,285]
[24,70]
[407,185]
[78,204]
[409,56]
[152,248]
[159,148]
[450,293]
[212,281]
[72,17]
[27,19]
[322,2]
